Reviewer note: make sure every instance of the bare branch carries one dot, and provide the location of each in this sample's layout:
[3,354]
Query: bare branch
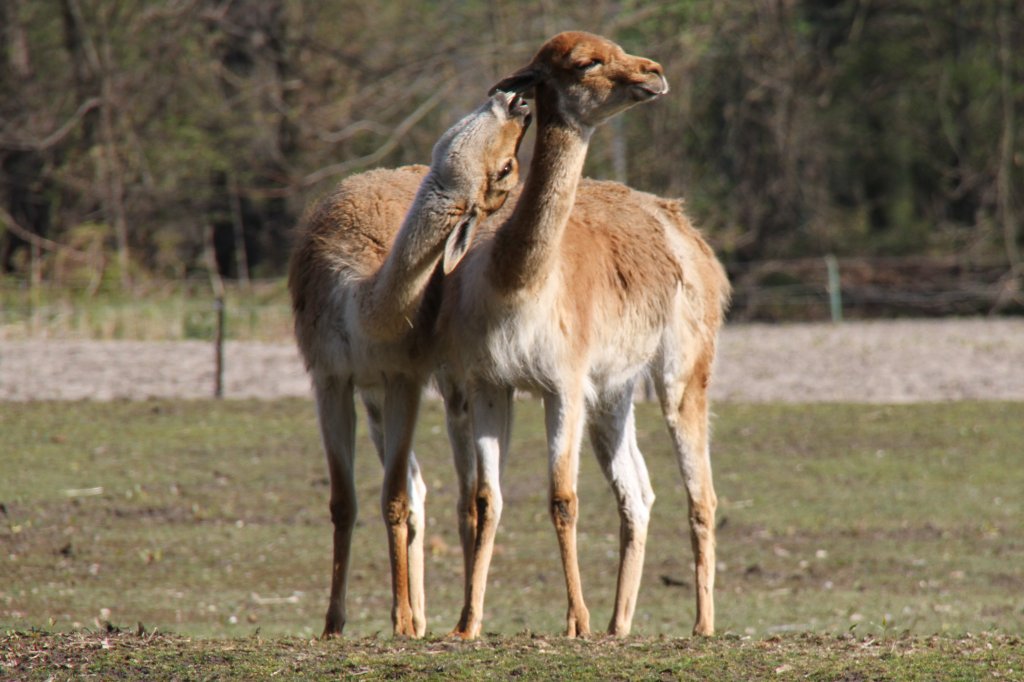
[40,242]
[56,136]
[623,20]
[397,134]
[92,56]
[175,9]
[351,130]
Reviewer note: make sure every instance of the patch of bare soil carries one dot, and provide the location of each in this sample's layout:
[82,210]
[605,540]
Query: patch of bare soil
[897,361]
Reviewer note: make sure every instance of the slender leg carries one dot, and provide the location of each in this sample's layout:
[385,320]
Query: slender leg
[417,512]
[417,529]
[685,405]
[336,411]
[401,403]
[613,435]
[491,409]
[564,414]
[460,436]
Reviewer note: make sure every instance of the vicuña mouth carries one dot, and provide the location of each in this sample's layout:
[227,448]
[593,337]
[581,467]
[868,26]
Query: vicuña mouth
[644,91]
[517,106]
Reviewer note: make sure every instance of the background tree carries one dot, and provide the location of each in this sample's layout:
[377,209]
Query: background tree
[794,128]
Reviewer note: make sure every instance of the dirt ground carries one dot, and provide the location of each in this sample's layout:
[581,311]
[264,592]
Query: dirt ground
[879,362]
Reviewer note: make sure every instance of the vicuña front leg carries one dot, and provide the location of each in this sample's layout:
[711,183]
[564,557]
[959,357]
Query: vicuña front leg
[480,505]
[417,490]
[564,419]
[336,412]
[613,435]
[401,403]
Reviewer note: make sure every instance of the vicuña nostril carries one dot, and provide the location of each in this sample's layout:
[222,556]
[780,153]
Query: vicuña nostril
[652,67]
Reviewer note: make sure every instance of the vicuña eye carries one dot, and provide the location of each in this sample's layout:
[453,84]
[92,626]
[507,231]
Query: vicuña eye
[505,170]
[588,64]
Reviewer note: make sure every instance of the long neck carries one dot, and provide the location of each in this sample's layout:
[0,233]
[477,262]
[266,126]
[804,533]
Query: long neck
[390,300]
[527,245]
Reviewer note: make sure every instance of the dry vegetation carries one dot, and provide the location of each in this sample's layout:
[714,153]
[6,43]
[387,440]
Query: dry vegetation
[116,654]
[898,361]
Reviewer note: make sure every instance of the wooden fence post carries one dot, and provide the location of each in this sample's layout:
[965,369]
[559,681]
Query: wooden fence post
[217,284]
[218,345]
[835,294]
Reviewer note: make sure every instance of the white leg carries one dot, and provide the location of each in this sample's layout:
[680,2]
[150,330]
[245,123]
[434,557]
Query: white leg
[613,436]
[417,529]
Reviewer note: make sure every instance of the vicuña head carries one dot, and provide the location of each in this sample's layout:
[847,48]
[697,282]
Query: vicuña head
[578,81]
[591,77]
[473,169]
[475,163]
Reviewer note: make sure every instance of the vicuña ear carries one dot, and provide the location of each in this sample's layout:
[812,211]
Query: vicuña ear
[457,244]
[521,82]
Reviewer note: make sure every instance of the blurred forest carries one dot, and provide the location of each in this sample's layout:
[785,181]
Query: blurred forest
[138,137]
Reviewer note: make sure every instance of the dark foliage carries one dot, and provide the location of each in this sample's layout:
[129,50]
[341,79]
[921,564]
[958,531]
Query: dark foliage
[139,135]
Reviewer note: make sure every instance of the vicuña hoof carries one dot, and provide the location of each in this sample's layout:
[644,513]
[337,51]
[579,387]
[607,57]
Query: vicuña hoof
[333,627]
[403,625]
[578,625]
[703,630]
[618,630]
[464,635]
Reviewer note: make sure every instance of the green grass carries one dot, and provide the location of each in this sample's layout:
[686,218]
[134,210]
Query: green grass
[209,519]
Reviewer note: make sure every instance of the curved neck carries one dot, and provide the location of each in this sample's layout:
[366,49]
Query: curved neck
[389,301]
[526,246]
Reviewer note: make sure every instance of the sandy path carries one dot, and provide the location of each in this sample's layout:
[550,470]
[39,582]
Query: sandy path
[882,362]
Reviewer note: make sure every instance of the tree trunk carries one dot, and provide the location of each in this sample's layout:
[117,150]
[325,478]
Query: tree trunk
[113,170]
[1004,183]
[15,41]
[241,257]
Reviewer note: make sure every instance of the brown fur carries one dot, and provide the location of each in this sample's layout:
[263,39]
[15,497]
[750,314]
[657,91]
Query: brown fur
[572,295]
[612,251]
[624,273]
[348,232]
[360,291]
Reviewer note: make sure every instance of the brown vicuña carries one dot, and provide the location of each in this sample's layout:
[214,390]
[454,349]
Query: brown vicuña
[576,295]
[360,283]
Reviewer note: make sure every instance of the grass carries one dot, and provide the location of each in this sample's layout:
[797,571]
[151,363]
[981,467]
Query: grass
[153,311]
[849,536]
[817,657]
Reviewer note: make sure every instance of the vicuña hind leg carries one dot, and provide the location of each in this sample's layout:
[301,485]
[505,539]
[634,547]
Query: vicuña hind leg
[336,412]
[564,418]
[613,435]
[685,406]
[417,489]
[401,403]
